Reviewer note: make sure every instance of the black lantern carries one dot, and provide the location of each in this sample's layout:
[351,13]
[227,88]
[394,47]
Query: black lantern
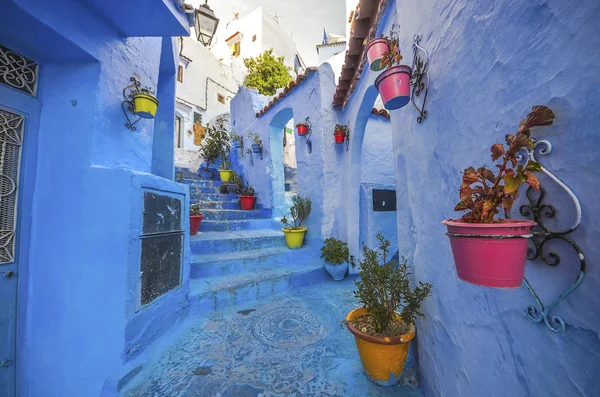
[206,24]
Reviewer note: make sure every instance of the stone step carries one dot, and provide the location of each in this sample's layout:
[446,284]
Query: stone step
[209,242]
[203,190]
[219,205]
[225,291]
[202,182]
[230,215]
[211,265]
[213,197]
[238,225]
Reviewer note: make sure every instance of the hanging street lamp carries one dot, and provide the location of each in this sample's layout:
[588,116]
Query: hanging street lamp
[206,24]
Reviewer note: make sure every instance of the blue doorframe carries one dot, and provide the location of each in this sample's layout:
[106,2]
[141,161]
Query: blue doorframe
[13,276]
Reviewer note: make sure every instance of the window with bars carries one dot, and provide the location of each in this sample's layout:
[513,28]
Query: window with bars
[17,71]
[11,138]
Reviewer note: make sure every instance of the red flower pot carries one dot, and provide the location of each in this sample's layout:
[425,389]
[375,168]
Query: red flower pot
[375,50]
[340,137]
[394,86]
[490,254]
[247,202]
[195,221]
[302,129]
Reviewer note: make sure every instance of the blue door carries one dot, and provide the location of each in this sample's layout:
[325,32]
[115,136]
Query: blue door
[18,116]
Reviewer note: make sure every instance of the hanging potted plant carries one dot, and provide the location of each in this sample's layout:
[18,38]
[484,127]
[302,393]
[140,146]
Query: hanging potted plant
[294,233]
[190,13]
[385,325]
[257,146]
[195,218]
[303,126]
[340,133]
[375,50]
[145,102]
[337,256]
[490,251]
[246,195]
[238,143]
[394,83]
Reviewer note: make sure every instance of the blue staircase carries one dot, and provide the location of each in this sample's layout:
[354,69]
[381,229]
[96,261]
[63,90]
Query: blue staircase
[240,257]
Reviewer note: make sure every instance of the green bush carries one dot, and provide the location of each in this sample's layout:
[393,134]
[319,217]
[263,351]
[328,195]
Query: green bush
[385,289]
[299,211]
[335,251]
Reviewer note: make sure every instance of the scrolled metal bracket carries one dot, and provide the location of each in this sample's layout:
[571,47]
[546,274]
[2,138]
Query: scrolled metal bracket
[308,134]
[539,211]
[420,77]
[128,103]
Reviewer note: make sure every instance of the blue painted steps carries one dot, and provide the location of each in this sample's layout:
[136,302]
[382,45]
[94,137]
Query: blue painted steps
[236,225]
[230,215]
[219,242]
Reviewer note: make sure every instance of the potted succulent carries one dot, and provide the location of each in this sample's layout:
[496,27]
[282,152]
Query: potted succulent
[195,218]
[257,146]
[294,233]
[384,326]
[340,133]
[145,103]
[375,50]
[246,195]
[490,251]
[303,126]
[337,256]
[394,83]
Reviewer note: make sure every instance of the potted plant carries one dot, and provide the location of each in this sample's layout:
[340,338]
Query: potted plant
[303,126]
[385,324]
[294,233]
[375,50]
[238,143]
[215,145]
[195,218]
[145,103]
[490,251]
[337,256]
[257,146]
[340,133]
[246,195]
[190,13]
[394,83]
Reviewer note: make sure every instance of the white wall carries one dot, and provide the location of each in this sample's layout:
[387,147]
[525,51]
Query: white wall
[325,53]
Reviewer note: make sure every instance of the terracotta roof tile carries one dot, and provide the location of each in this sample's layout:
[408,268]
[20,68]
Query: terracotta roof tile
[381,112]
[287,90]
[364,26]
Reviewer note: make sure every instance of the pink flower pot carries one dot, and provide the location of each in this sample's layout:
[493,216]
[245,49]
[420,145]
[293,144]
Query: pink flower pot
[490,254]
[375,50]
[394,86]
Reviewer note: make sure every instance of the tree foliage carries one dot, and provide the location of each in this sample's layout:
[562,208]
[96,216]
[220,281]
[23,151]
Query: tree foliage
[266,73]
[217,143]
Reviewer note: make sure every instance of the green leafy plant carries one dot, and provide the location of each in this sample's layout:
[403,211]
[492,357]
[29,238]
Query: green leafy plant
[342,128]
[335,251]
[216,144]
[195,210]
[235,137]
[266,73]
[244,190]
[384,289]
[299,211]
[255,138]
[179,177]
[482,192]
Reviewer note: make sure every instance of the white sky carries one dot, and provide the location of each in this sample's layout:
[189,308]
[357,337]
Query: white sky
[303,19]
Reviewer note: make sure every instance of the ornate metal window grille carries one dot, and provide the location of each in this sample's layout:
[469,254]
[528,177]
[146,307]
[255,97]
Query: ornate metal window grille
[17,71]
[11,137]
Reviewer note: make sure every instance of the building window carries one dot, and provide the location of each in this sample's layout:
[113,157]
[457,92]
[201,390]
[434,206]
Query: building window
[180,74]
[197,118]
[237,49]
[253,38]
[17,71]
[221,98]
[178,134]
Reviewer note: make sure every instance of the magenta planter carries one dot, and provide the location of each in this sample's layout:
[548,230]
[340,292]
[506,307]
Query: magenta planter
[394,86]
[375,50]
[490,254]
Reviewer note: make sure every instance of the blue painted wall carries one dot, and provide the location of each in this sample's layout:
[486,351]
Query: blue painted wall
[78,307]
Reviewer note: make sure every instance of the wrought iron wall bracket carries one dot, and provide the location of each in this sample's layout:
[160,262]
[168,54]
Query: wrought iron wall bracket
[128,103]
[539,211]
[419,80]
[308,134]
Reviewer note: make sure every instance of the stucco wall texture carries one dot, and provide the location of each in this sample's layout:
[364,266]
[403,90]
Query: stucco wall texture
[490,62]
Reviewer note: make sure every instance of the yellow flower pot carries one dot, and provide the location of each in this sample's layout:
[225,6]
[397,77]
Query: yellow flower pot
[294,237]
[383,358]
[145,105]
[225,175]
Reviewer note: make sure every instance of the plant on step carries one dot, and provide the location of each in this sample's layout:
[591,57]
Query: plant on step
[299,211]
[244,190]
[216,143]
[335,251]
[483,192]
[384,288]
[196,216]
[179,177]
[384,326]
[195,210]
[496,258]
